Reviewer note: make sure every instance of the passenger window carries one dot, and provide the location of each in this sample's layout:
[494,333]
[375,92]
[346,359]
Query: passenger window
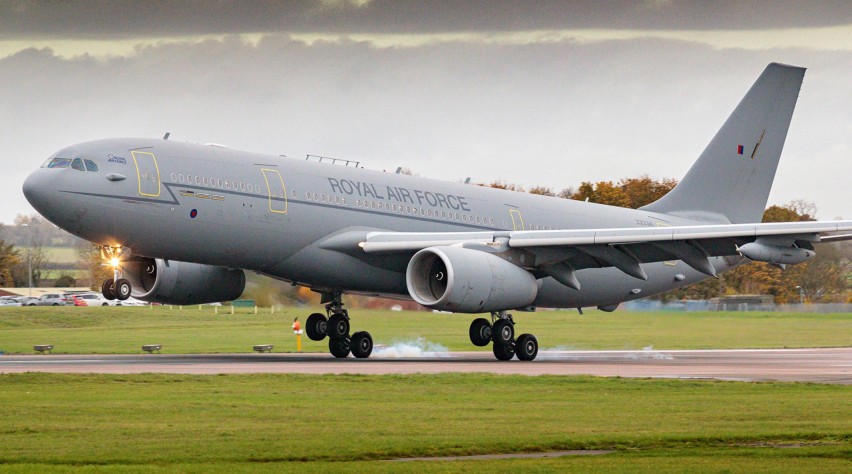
[59,163]
[91,166]
[77,164]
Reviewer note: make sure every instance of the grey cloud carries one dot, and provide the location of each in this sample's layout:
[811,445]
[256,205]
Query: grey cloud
[112,19]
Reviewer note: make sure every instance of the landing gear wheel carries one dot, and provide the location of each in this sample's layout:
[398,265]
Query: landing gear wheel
[503,351]
[526,348]
[316,326]
[338,326]
[362,344]
[503,332]
[339,347]
[108,289]
[480,332]
[122,289]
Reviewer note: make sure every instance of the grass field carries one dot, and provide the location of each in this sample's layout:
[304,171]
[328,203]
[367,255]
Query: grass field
[190,330]
[354,423]
[62,255]
[344,423]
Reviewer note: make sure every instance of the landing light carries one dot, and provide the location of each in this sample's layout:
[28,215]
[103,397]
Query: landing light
[114,262]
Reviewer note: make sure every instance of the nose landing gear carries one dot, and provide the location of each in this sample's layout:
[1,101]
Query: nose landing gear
[501,334]
[115,288]
[336,327]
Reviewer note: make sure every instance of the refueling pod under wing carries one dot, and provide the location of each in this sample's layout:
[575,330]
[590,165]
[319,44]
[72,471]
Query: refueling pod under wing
[761,252]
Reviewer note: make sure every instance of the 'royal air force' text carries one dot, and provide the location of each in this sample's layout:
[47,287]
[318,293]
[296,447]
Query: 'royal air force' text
[393,193]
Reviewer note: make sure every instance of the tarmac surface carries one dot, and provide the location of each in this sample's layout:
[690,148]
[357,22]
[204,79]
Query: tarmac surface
[789,365]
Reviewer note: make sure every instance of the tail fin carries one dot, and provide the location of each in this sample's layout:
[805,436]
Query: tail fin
[731,180]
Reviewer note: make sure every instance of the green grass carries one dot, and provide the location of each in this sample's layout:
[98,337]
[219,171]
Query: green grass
[59,254]
[190,330]
[328,423]
[56,273]
[353,423]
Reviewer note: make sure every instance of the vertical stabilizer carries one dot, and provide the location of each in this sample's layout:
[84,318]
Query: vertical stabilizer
[732,177]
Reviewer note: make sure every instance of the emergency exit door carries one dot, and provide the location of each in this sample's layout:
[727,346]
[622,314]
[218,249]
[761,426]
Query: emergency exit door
[517,219]
[147,173]
[275,190]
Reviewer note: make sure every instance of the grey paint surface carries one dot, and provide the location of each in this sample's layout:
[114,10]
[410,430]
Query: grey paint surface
[303,221]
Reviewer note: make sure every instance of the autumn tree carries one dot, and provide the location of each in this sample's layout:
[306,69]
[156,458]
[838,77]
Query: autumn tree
[822,279]
[629,192]
[644,190]
[542,191]
[35,257]
[602,192]
[503,185]
[9,259]
[89,260]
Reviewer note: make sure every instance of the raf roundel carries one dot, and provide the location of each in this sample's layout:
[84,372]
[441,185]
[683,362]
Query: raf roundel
[193,213]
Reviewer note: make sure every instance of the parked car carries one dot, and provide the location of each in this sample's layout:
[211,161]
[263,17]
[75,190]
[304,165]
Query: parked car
[24,300]
[7,301]
[51,299]
[78,301]
[96,299]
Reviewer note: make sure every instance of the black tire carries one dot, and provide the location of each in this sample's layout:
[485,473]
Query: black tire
[338,326]
[503,332]
[316,326]
[526,348]
[480,332]
[108,289]
[362,344]
[55,304]
[339,347]
[123,289]
[503,351]
[105,304]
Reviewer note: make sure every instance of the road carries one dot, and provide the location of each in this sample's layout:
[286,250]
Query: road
[789,365]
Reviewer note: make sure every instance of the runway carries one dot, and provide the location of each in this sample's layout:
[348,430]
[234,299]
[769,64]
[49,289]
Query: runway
[789,365]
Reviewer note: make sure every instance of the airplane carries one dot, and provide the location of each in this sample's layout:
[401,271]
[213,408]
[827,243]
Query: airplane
[182,222]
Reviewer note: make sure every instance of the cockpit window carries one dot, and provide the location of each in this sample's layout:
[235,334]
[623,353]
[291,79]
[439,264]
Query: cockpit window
[91,165]
[77,164]
[58,163]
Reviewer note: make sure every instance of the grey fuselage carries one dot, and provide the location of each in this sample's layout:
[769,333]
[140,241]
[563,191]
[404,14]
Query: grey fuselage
[278,216]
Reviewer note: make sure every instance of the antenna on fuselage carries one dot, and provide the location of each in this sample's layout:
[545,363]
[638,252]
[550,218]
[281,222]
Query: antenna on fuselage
[166,136]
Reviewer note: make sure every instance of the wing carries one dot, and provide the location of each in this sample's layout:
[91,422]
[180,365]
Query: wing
[558,253]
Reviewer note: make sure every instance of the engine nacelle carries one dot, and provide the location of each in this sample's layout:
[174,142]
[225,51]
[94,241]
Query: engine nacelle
[181,283]
[468,281]
[773,254]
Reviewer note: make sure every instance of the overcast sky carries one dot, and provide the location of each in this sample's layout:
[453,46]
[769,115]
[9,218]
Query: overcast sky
[533,93]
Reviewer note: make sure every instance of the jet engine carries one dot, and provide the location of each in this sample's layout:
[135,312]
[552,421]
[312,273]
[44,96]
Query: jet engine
[181,283]
[468,281]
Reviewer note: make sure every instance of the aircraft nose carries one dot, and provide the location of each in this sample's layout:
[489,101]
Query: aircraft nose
[37,189]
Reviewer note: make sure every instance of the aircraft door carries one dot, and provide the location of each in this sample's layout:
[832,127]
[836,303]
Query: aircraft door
[517,219]
[147,173]
[276,191]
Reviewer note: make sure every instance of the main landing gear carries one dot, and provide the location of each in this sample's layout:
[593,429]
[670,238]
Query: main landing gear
[501,333]
[336,327]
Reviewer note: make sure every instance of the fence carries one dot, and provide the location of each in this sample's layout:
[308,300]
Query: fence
[706,305]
